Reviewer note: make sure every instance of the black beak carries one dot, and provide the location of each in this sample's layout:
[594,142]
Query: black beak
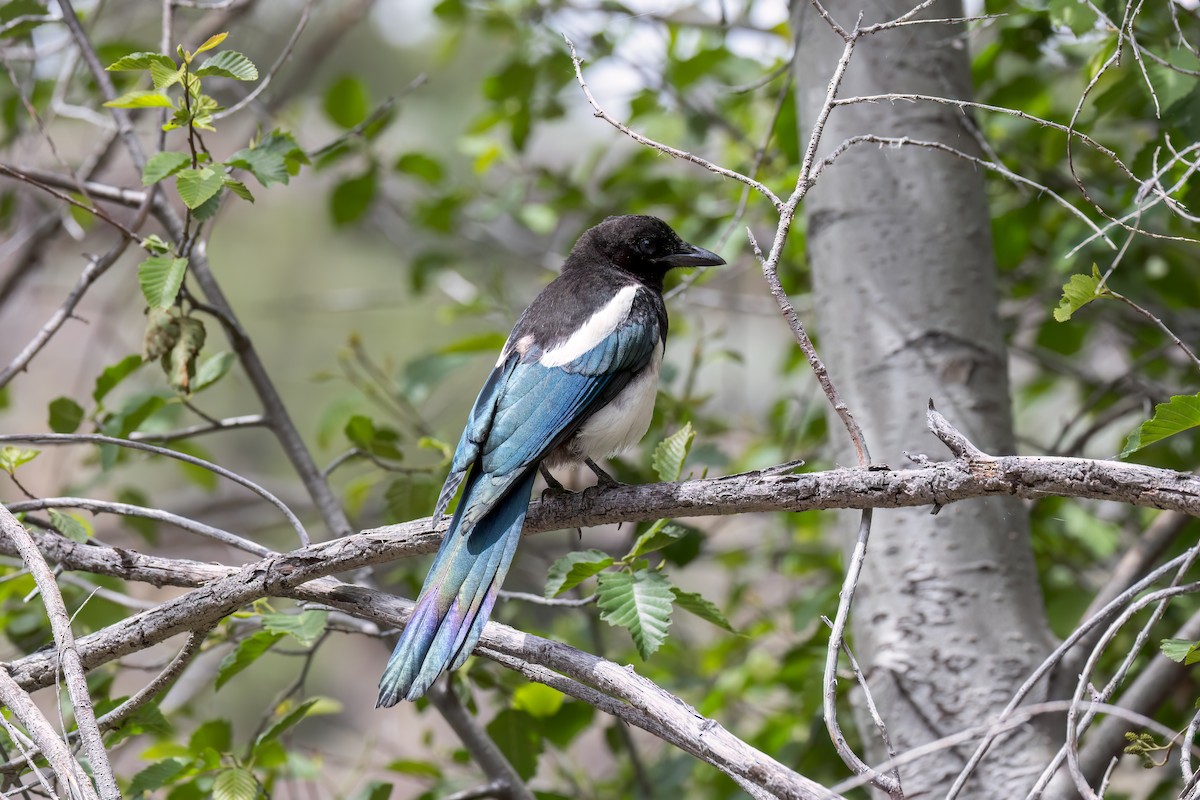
[690,256]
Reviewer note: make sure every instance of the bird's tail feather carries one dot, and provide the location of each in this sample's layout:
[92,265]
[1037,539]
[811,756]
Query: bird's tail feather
[458,594]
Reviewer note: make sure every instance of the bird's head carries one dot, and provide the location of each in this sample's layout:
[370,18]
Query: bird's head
[643,246]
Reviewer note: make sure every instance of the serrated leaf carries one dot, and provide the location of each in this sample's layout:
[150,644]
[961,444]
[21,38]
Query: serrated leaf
[139,61]
[239,188]
[537,700]
[272,159]
[212,370]
[1178,414]
[575,568]
[305,627]
[1078,292]
[208,209]
[114,374]
[641,603]
[659,535]
[141,99]
[704,609]
[164,75]
[163,165]
[1184,651]
[235,784]
[160,278]
[157,775]
[70,526]
[65,415]
[246,652]
[672,452]
[229,64]
[211,42]
[13,457]
[197,185]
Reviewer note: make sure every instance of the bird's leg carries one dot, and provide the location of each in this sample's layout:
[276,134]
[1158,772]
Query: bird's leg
[553,486]
[603,479]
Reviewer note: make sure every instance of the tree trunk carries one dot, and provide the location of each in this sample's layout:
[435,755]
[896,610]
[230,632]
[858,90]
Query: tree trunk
[949,618]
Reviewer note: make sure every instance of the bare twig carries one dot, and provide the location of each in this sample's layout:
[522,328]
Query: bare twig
[284,55]
[130,510]
[227,424]
[95,438]
[66,770]
[67,655]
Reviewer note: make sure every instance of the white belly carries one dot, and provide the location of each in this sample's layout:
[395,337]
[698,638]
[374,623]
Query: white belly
[620,424]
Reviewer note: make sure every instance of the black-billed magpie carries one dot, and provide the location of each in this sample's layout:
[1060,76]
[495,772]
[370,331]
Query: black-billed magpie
[576,380]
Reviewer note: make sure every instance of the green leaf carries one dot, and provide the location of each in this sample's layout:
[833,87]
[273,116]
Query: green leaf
[516,734]
[197,185]
[641,603]
[163,165]
[347,101]
[65,415]
[146,528]
[208,209]
[157,776]
[419,769]
[114,374]
[672,452]
[375,790]
[216,734]
[235,784]
[141,99]
[1185,651]
[537,700]
[70,526]
[570,721]
[352,197]
[310,707]
[160,278]
[1078,292]
[305,627]
[363,434]
[1178,414]
[575,568]
[659,535]
[13,457]
[421,166]
[273,159]
[705,610]
[490,342]
[211,42]
[239,188]
[246,652]
[164,75]
[140,61]
[212,370]
[229,64]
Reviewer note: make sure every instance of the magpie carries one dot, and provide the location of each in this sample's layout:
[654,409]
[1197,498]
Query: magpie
[575,381]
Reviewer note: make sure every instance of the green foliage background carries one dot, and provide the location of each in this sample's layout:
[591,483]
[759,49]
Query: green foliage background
[393,229]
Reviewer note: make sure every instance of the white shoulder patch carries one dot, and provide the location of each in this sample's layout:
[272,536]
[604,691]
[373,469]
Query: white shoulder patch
[594,331]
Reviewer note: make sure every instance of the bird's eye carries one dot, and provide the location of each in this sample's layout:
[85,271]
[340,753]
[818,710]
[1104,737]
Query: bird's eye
[646,247]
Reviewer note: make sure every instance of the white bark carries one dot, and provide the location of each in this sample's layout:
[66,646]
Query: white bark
[949,616]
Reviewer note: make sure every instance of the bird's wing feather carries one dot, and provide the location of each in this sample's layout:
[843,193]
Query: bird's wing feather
[526,409]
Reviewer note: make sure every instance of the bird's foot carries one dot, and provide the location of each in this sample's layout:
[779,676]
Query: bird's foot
[553,486]
[603,479]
